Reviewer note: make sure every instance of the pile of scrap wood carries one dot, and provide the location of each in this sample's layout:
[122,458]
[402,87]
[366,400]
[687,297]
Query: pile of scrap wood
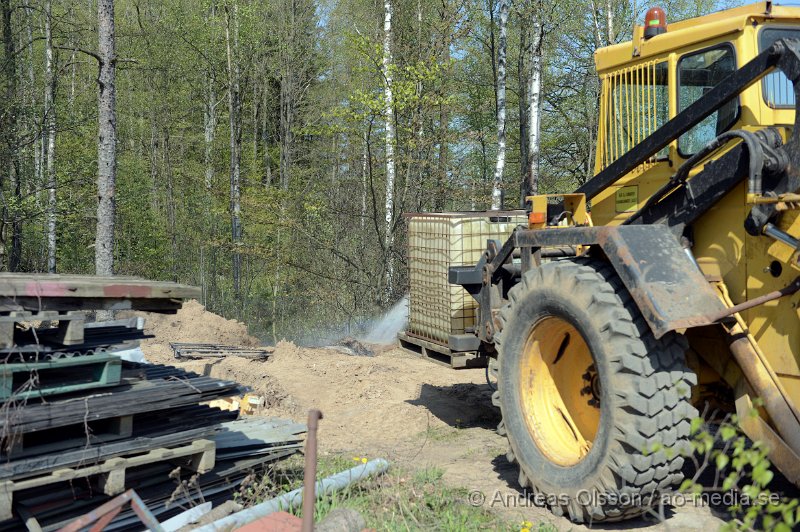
[79,426]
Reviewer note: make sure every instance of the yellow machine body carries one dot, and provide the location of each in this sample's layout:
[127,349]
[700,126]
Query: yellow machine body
[645,83]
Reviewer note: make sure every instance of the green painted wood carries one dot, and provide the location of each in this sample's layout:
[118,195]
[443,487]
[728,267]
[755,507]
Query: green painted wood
[24,380]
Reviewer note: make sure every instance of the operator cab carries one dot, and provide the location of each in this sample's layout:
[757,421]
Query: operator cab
[649,80]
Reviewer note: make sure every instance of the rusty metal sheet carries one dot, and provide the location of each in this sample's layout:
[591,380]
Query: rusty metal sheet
[668,288]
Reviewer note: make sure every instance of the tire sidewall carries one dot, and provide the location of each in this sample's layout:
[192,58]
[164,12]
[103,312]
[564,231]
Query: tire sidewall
[571,480]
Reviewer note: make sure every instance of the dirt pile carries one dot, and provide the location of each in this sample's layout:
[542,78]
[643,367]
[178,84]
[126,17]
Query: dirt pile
[192,324]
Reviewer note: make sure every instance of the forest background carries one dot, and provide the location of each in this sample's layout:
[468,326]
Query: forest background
[266,150]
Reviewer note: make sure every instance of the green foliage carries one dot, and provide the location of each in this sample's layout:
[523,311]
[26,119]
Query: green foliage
[741,469]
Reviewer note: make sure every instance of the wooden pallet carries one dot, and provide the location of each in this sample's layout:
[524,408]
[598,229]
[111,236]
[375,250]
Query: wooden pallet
[59,376]
[70,325]
[109,474]
[37,292]
[48,450]
[19,446]
[441,354]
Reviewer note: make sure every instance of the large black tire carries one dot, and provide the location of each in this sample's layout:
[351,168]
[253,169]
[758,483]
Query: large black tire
[643,394]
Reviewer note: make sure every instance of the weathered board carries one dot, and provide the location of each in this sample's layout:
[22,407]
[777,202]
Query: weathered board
[191,351]
[37,292]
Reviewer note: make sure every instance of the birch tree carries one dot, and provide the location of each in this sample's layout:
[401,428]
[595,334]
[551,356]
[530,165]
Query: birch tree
[50,136]
[388,115]
[534,105]
[523,101]
[497,185]
[234,114]
[107,140]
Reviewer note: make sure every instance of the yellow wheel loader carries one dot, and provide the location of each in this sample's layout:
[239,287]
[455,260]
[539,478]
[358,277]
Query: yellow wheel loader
[666,282]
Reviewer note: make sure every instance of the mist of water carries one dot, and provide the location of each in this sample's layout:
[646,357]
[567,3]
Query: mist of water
[381,330]
[384,330]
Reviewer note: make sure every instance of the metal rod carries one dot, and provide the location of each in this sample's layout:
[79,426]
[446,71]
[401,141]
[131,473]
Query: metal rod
[686,244]
[788,290]
[781,236]
[310,471]
[292,499]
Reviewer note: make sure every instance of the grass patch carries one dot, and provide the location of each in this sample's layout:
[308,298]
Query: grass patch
[401,499]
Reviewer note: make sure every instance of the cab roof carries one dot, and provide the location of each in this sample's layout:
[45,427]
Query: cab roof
[690,31]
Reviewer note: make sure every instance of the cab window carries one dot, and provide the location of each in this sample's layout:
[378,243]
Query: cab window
[638,104]
[698,73]
[776,88]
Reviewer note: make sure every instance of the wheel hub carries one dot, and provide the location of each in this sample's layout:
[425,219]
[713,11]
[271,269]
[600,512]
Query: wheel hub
[562,421]
[592,381]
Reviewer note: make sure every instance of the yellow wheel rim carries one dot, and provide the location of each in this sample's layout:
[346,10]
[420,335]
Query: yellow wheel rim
[560,391]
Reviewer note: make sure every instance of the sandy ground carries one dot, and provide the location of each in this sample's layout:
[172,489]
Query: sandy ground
[393,405]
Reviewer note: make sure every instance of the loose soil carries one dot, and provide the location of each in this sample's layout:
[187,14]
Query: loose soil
[393,405]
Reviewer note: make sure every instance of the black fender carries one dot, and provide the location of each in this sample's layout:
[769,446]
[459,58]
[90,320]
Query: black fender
[667,286]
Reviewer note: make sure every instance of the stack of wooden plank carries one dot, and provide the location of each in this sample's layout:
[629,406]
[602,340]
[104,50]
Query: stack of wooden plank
[242,447]
[78,425]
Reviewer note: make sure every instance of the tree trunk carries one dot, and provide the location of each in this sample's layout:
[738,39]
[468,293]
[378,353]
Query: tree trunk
[234,114]
[492,49]
[173,233]
[11,148]
[209,135]
[534,92]
[32,130]
[364,166]
[598,41]
[267,162]
[107,141]
[444,146]
[609,23]
[523,74]
[50,131]
[497,186]
[388,113]
[288,65]
[209,128]
[286,130]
